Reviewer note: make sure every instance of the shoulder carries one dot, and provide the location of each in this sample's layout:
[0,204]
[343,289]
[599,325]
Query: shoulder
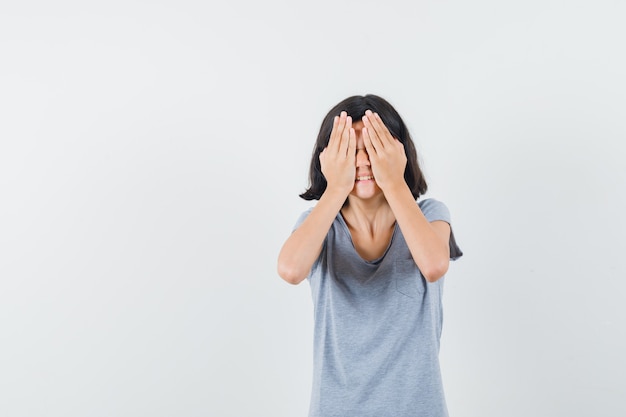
[434,210]
[302,217]
[306,213]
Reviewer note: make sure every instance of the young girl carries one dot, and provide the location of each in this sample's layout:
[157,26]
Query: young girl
[375,260]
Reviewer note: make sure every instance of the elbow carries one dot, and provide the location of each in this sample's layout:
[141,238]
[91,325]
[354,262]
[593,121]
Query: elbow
[291,275]
[433,272]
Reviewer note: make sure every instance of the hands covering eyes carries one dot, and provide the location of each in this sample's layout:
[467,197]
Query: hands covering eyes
[337,160]
[386,153]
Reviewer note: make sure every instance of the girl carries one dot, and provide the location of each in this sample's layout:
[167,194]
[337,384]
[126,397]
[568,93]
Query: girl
[374,259]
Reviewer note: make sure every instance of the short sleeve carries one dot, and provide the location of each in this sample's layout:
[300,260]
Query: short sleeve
[436,210]
[301,219]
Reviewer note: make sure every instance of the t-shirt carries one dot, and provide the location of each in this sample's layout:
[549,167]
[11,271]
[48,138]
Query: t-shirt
[377,328]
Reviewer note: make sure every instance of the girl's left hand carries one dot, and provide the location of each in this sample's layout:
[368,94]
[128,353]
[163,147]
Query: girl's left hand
[386,153]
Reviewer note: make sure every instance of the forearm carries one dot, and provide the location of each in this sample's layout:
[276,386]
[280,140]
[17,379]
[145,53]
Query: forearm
[304,245]
[428,244]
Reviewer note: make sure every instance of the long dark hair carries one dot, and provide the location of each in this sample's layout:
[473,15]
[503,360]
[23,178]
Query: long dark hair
[355,106]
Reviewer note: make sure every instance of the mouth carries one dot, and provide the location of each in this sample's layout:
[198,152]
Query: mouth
[365,178]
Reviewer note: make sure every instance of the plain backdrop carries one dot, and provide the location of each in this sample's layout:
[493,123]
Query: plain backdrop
[151,157]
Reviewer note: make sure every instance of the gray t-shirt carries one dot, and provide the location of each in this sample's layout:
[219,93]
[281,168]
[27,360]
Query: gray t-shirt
[377,328]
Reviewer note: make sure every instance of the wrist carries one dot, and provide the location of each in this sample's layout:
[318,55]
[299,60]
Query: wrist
[336,192]
[397,187]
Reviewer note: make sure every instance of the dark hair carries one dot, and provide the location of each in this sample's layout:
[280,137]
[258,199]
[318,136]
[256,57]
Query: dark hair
[355,106]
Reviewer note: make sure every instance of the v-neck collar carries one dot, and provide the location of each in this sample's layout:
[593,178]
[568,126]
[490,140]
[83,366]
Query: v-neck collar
[376,261]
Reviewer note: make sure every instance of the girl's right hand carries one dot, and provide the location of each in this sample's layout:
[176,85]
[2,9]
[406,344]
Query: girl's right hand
[338,159]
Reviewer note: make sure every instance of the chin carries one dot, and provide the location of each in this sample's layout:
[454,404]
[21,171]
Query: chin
[366,192]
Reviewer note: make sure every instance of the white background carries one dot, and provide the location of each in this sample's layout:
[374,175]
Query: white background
[151,156]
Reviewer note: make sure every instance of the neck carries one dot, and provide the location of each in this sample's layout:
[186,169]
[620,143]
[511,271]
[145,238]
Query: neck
[368,215]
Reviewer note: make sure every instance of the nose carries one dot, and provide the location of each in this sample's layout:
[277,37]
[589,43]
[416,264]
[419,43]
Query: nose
[362,158]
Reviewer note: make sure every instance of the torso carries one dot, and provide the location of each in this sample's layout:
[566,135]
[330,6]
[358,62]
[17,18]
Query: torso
[377,323]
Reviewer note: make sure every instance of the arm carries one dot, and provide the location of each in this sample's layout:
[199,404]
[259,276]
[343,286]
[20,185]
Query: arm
[428,242]
[337,161]
[304,245]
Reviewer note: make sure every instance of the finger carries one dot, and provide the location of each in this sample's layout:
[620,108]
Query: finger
[379,127]
[333,133]
[399,144]
[369,146]
[338,131]
[375,140]
[352,144]
[345,137]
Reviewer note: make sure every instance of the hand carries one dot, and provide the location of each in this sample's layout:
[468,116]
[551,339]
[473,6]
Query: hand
[386,153]
[338,160]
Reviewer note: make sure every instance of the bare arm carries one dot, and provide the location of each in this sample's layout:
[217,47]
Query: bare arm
[337,161]
[304,245]
[427,242]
